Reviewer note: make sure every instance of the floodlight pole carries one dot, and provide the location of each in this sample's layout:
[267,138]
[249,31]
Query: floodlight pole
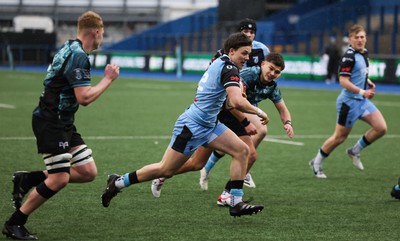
[10,57]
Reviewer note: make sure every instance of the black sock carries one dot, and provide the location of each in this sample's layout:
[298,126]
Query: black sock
[228,186]
[18,218]
[218,155]
[237,184]
[133,178]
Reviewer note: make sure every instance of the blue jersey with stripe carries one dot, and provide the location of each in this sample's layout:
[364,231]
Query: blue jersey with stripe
[354,64]
[211,93]
[258,53]
[255,90]
[70,68]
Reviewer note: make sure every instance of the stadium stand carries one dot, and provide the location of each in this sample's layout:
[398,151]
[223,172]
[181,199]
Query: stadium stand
[303,28]
[122,17]
[291,26]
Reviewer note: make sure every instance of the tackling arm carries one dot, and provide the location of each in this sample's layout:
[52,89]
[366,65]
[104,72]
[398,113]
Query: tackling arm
[236,100]
[285,118]
[248,126]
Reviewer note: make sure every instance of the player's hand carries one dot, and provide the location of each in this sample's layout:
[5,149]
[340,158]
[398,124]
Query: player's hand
[371,84]
[289,130]
[369,94]
[264,118]
[111,71]
[251,129]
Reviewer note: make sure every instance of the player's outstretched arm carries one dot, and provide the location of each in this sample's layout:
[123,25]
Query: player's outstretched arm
[285,118]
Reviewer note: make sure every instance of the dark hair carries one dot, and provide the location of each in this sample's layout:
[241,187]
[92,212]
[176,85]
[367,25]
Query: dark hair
[235,41]
[276,59]
[247,23]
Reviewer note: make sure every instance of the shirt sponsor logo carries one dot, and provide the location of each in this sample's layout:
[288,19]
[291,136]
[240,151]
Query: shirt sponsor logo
[235,78]
[78,74]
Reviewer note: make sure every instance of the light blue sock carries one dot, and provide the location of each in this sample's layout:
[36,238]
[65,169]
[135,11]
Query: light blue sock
[212,160]
[237,195]
[127,183]
[237,192]
[320,157]
[361,144]
[123,181]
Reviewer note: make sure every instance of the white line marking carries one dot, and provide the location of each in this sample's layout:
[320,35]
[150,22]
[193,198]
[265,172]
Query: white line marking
[326,136]
[270,138]
[7,106]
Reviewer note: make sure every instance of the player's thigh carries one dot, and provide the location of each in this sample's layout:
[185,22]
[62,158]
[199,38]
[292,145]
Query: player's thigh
[372,116]
[201,155]
[341,132]
[375,120]
[172,159]
[229,143]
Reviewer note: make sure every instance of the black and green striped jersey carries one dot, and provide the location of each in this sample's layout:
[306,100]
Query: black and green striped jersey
[255,90]
[70,69]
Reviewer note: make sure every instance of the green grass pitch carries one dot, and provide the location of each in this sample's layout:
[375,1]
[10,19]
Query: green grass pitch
[130,125]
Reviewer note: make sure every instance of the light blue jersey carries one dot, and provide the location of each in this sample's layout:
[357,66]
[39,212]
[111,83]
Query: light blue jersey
[255,90]
[354,64]
[198,125]
[352,106]
[211,93]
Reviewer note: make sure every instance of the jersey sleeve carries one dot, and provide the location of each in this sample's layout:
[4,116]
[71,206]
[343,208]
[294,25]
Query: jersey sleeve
[230,75]
[266,51]
[347,63]
[78,70]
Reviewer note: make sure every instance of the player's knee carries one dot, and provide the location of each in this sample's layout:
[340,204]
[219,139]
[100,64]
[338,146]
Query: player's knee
[57,181]
[252,157]
[262,132]
[92,174]
[162,170]
[196,166]
[168,173]
[382,130]
[61,184]
[243,153]
[88,174]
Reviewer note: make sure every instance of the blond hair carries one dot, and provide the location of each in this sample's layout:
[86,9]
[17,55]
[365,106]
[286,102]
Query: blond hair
[89,20]
[355,29]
